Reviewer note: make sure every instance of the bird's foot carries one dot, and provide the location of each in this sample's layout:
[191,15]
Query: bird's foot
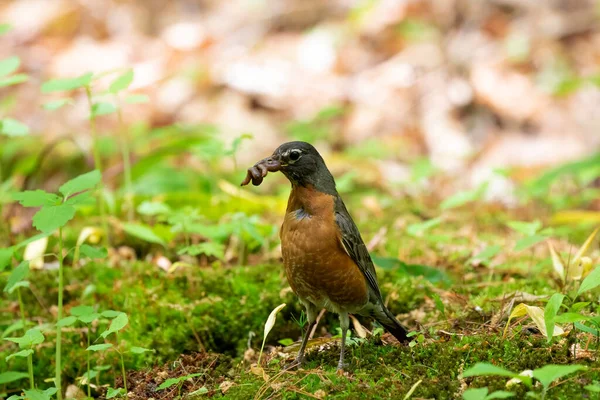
[341,367]
[297,363]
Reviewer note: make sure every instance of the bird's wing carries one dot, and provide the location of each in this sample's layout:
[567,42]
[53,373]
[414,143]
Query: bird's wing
[354,246]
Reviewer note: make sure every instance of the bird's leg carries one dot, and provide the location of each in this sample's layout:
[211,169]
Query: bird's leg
[311,315]
[300,358]
[344,324]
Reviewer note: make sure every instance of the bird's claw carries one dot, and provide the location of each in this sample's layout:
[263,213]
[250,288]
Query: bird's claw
[297,363]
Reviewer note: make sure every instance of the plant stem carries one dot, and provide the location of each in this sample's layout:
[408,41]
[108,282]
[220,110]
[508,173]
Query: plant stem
[125,153]
[29,357]
[97,164]
[122,368]
[89,386]
[30,369]
[57,378]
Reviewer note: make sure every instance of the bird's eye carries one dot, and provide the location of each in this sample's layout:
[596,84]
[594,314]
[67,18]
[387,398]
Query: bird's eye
[294,155]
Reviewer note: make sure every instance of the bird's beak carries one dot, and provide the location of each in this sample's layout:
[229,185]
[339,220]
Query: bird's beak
[272,163]
[261,168]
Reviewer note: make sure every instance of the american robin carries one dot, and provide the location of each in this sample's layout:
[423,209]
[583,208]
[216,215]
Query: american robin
[326,261]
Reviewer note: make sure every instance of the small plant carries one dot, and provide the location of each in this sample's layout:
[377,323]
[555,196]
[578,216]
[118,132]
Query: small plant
[483,394]
[547,319]
[119,321]
[546,375]
[27,343]
[532,233]
[16,281]
[176,381]
[54,214]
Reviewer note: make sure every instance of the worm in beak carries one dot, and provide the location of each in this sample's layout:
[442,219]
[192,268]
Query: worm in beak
[260,170]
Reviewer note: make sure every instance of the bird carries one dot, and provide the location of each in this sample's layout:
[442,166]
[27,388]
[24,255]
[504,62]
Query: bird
[326,261]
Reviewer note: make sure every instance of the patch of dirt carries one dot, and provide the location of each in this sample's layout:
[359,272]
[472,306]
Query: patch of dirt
[211,369]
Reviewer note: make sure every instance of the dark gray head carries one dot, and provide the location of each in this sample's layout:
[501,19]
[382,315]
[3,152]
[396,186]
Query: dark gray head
[302,164]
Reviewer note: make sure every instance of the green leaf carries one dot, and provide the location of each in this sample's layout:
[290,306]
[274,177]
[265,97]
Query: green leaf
[30,338]
[17,275]
[88,318]
[22,353]
[122,82]
[549,373]
[80,311]
[13,80]
[579,306]
[11,376]
[202,390]
[111,313]
[593,388]
[36,394]
[462,198]
[488,253]
[93,252]
[153,208]
[285,342]
[550,312]
[137,99]
[143,232]
[50,218]
[139,350]
[20,284]
[12,127]
[417,229]
[103,108]
[525,228]
[56,104]
[173,381]
[528,241]
[499,394]
[482,369]
[569,318]
[118,323]
[36,198]
[5,257]
[112,392]
[590,282]
[208,248]
[82,182]
[61,85]
[586,329]
[99,347]
[81,198]
[475,394]
[67,321]
[88,376]
[9,65]
[17,326]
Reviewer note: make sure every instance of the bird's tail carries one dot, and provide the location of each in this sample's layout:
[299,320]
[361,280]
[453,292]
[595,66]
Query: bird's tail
[391,324]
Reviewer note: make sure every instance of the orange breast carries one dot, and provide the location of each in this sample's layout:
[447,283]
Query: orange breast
[317,267]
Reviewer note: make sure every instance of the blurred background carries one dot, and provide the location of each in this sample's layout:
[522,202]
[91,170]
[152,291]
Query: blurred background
[485,95]
[475,87]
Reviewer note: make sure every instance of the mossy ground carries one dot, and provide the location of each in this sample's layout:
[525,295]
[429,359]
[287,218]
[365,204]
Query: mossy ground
[204,319]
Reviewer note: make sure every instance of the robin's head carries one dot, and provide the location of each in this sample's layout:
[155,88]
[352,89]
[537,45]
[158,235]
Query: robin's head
[301,163]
